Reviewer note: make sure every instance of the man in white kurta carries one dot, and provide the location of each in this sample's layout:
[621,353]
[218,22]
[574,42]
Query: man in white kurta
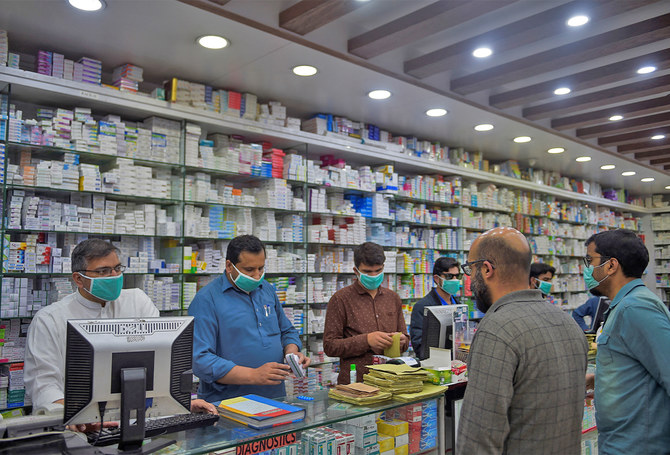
[44,370]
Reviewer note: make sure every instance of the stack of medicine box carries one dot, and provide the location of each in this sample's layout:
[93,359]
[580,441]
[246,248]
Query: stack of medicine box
[327,441]
[127,77]
[88,70]
[364,430]
[398,430]
[4,48]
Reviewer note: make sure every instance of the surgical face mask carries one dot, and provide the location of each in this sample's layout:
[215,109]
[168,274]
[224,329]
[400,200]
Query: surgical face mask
[544,286]
[245,282]
[370,282]
[592,283]
[106,288]
[451,287]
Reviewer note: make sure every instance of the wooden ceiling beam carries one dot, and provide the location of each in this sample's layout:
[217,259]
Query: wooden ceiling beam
[654,154]
[511,36]
[658,161]
[625,126]
[308,15]
[646,146]
[631,138]
[423,22]
[637,109]
[607,74]
[608,43]
[591,100]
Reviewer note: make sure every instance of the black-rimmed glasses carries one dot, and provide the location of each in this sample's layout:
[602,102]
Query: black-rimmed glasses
[587,259]
[106,271]
[467,267]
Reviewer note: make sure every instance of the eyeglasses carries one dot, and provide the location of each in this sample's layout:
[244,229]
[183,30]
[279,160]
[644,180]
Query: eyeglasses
[452,276]
[587,259]
[106,271]
[467,267]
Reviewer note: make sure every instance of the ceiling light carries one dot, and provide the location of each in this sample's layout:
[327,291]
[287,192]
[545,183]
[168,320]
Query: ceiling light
[667,187]
[304,70]
[379,94]
[628,173]
[556,150]
[607,167]
[614,118]
[87,5]
[647,179]
[213,42]
[562,91]
[522,139]
[646,70]
[484,127]
[436,112]
[482,52]
[577,21]
[583,159]
[656,137]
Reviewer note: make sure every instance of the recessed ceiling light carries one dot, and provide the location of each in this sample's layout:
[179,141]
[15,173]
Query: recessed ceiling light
[647,179]
[562,91]
[482,52]
[614,118]
[379,94]
[607,167]
[213,42]
[556,150]
[484,127]
[656,137]
[522,139]
[583,159]
[304,70]
[577,21]
[667,187]
[628,173]
[646,70]
[436,112]
[87,5]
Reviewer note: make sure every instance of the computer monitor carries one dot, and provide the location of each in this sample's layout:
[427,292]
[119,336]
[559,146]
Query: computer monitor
[603,305]
[127,370]
[438,328]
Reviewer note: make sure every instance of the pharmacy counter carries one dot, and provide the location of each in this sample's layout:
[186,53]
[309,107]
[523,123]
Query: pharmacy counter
[323,411]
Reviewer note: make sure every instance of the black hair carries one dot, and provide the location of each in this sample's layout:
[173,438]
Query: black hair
[507,260]
[90,249]
[249,243]
[626,247]
[443,264]
[369,253]
[540,268]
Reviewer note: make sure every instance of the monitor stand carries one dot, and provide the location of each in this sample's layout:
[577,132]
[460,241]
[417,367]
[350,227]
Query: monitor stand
[133,405]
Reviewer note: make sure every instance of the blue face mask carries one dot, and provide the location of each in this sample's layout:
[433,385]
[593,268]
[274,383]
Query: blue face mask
[105,288]
[592,283]
[451,287]
[370,282]
[245,282]
[544,286]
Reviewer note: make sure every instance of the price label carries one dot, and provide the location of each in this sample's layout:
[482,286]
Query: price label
[89,95]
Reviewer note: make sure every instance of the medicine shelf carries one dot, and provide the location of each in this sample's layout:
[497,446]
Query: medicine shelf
[487,209]
[237,177]
[98,234]
[234,206]
[318,364]
[111,196]
[14,274]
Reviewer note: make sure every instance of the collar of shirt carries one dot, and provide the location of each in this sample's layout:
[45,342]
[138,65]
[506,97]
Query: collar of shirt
[226,284]
[526,295]
[442,301]
[88,303]
[361,290]
[624,291]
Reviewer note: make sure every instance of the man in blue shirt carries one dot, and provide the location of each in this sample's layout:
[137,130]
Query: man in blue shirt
[588,309]
[447,277]
[632,381]
[241,332]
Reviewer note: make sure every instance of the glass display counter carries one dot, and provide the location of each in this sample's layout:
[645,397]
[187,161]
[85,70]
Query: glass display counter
[323,411]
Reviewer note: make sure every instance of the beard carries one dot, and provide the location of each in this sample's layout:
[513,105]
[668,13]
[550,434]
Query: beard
[480,292]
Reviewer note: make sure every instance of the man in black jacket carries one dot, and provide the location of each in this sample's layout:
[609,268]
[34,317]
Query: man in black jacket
[447,277]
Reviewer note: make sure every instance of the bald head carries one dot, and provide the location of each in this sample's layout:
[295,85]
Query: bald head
[507,249]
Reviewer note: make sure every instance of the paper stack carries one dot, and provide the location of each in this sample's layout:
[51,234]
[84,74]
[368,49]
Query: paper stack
[396,379]
[357,393]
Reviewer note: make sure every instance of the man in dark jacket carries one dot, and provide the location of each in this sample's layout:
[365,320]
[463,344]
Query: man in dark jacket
[447,277]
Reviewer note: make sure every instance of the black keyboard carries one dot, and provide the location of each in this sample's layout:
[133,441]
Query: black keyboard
[155,427]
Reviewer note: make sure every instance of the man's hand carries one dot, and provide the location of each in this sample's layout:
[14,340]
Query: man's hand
[379,341]
[590,384]
[404,342]
[202,406]
[271,373]
[293,349]
[91,427]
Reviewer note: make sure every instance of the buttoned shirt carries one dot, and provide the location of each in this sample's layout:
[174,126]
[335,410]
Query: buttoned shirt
[525,392]
[351,314]
[44,368]
[235,328]
[632,388]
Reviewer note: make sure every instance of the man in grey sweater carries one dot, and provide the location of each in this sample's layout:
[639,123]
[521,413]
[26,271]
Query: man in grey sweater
[527,361]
